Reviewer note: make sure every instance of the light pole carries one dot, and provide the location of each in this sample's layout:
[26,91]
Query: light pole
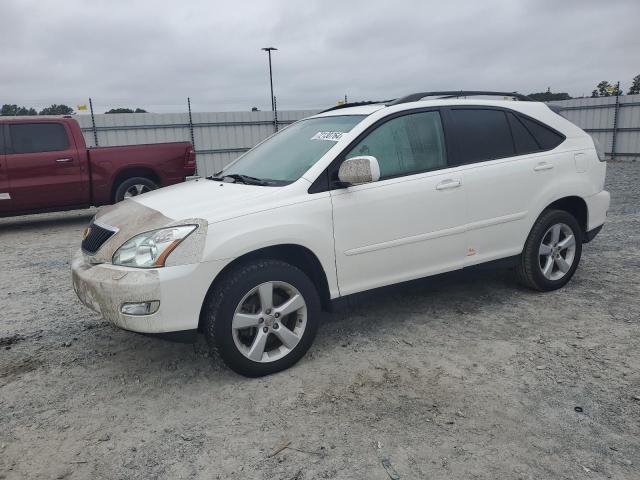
[273,102]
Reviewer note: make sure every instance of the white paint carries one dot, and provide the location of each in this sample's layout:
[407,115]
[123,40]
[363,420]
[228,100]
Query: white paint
[385,234]
[581,161]
[5,196]
[367,235]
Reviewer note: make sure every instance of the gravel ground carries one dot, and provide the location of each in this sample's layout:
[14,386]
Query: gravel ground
[459,376]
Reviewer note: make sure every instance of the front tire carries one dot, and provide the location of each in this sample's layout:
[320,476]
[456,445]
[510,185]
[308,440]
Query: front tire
[261,317]
[552,251]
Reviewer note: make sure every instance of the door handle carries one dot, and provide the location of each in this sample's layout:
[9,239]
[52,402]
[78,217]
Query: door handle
[64,160]
[542,166]
[447,184]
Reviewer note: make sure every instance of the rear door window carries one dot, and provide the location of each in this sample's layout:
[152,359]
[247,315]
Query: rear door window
[481,134]
[38,137]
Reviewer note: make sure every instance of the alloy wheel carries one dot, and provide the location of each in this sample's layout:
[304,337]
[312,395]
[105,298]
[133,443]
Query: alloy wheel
[269,321]
[557,251]
[135,190]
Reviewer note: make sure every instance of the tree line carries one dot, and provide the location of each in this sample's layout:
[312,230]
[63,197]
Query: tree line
[603,89]
[13,110]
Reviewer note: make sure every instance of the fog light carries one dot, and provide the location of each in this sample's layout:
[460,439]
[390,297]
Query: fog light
[142,308]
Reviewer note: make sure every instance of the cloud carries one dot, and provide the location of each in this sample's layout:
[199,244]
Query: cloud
[153,54]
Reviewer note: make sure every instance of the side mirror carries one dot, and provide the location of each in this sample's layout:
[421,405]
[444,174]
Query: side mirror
[359,170]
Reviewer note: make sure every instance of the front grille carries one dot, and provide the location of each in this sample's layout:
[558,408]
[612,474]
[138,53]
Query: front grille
[95,237]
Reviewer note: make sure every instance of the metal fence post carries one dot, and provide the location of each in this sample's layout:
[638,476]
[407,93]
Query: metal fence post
[615,123]
[93,122]
[275,114]
[193,139]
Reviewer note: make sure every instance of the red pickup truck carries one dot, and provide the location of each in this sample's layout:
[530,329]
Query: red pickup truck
[46,166]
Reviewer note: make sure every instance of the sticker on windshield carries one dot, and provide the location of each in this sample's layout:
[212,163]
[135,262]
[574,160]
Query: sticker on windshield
[331,136]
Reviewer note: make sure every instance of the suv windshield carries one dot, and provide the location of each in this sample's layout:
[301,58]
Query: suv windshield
[283,158]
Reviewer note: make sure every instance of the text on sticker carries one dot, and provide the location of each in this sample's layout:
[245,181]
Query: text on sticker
[331,136]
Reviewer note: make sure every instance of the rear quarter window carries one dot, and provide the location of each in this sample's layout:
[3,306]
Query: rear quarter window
[38,137]
[522,138]
[547,138]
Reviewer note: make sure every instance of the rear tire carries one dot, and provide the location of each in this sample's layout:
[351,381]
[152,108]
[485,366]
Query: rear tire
[261,317]
[132,187]
[552,252]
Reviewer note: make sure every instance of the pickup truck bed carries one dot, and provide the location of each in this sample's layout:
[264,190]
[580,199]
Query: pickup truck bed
[46,166]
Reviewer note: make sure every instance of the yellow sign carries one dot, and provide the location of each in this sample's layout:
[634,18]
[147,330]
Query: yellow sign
[82,107]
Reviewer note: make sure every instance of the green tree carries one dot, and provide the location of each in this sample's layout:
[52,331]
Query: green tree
[634,89]
[126,110]
[8,110]
[13,110]
[548,96]
[605,89]
[27,111]
[57,110]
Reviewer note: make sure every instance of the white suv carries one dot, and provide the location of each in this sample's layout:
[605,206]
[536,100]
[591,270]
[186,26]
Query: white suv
[348,200]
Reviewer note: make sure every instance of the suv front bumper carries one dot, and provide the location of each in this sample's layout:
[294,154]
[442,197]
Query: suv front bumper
[181,290]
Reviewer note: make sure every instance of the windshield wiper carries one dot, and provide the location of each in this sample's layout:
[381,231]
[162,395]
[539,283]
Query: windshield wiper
[239,178]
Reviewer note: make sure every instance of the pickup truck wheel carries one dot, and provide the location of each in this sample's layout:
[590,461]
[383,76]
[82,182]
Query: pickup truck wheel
[552,252]
[133,187]
[262,317]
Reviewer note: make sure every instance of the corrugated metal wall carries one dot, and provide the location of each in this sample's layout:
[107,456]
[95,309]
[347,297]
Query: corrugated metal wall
[599,117]
[219,137]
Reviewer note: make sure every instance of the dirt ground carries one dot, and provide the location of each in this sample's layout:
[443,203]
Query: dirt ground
[464,376]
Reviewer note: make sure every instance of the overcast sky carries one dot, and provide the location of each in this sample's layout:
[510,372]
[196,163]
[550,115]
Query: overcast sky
[153,54]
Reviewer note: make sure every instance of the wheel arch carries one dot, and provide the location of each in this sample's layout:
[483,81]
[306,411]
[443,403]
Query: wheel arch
[294,254]
[574,205]
[131,172]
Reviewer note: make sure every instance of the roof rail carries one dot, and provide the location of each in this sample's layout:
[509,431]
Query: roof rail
[414,97]
[355,104]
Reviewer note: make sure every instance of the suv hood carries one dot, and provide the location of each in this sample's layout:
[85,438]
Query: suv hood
[208,199]
[198,201]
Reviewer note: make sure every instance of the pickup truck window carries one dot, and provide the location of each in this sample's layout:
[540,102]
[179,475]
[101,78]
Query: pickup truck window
[37,137]
[284,157]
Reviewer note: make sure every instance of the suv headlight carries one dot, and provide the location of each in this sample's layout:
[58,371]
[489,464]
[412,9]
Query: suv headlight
[151,249]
